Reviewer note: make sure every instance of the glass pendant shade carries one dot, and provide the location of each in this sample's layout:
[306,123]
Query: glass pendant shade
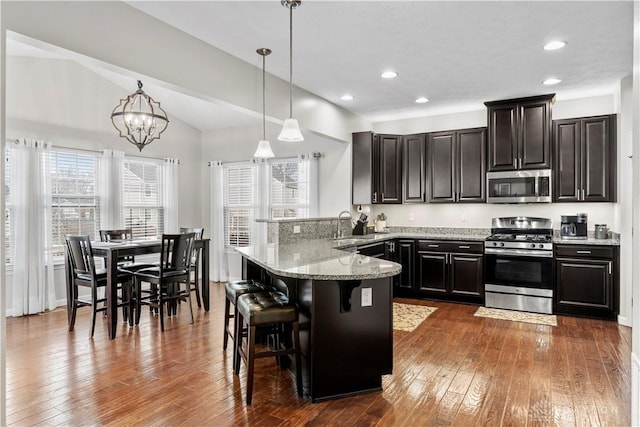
[290,131]
[264,150]
[139,119]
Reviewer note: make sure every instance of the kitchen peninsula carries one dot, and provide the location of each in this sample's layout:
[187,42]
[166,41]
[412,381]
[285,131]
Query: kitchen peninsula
[345,304]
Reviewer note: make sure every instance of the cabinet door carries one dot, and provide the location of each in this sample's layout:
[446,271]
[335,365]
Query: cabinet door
[362,168]
[534,121]
[390,175]
[567,174]
[406,254]
[467,275]
[441,167]
[503,134]
[584,286]
[432,272]
[414,148]
[471,165]
[598,159]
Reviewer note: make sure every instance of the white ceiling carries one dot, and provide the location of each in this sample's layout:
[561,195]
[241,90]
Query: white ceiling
[457,54]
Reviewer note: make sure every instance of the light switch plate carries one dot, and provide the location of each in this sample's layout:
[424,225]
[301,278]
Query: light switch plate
[367,297]
[296,229]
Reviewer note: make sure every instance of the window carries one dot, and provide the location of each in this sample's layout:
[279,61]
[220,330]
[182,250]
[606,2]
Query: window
[240,205]
[142,198]
[75,203]
[289,189]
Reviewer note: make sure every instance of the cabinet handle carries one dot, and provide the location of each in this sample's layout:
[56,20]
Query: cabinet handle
[583,252]
[610,268]
[520,163]
[433,246]
[583,194]
[463,247]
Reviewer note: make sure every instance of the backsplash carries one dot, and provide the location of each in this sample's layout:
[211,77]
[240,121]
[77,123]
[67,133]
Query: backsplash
[282,231]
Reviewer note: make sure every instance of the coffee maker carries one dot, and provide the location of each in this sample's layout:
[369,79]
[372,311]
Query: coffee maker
[573,226]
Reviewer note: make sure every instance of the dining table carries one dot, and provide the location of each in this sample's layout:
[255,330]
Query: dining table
[115,250]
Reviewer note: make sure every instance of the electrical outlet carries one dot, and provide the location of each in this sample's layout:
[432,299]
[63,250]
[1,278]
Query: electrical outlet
[367,297]
[464,217]
[412,217]
[296,229]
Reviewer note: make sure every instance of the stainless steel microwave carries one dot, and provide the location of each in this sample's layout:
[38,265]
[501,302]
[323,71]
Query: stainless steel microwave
[524,186]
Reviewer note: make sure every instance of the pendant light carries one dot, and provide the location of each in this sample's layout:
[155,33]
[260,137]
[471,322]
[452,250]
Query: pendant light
[264,148]
[290,130]
[139,119]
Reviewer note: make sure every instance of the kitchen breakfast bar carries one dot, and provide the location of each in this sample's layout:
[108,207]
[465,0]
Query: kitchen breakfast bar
[345,312]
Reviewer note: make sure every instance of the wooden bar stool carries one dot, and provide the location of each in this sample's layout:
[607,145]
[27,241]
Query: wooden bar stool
[233,290]
[273,310]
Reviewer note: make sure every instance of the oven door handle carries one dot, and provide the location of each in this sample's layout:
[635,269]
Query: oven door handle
[519,252]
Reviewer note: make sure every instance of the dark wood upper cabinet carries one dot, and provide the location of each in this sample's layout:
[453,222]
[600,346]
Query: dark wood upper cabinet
[585,159]
[376,168]
[520,133]
[471,153]
[390,163]
[442,157]
[457,165]
[414,163]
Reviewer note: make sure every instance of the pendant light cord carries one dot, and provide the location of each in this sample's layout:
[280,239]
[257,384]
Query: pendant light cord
[290,60]
[264,132]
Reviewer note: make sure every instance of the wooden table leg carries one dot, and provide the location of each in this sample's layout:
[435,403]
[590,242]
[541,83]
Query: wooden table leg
[112,293]
[204,290]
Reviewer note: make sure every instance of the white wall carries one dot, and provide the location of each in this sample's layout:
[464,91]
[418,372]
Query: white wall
[65,103]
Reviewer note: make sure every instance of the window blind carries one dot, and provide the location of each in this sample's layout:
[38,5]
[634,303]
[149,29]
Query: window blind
[75,203]
[142,198]
[240,203]
[289,189]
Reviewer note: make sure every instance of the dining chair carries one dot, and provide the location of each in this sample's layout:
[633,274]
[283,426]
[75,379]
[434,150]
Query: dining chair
[174,269]
[127,262]
[195,261]
[85,274]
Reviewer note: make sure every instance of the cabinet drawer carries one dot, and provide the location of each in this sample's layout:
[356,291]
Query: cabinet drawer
[584,251]
[450,246]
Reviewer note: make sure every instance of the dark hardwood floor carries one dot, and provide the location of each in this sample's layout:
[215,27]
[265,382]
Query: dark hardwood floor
[454,369]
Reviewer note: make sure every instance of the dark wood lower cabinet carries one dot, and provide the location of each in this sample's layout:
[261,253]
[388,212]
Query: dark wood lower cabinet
[467,275]
[449,270]
[405,255]
[586,281]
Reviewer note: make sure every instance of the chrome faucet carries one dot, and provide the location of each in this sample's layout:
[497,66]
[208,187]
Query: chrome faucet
[338,233]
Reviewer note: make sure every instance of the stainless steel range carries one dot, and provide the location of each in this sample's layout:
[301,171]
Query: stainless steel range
[519,264]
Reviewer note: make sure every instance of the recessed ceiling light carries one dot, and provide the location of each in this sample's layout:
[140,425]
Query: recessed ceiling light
[551,81]
[347,97]
[389,74]
[556,44]
[422,100]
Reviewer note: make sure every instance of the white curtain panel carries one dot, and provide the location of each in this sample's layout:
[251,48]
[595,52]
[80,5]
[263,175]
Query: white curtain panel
[314,181]
[33,287]
[219,263]
[170,175]
[111,189]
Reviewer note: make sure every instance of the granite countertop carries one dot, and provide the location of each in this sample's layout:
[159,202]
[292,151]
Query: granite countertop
[615,241]
[319,260]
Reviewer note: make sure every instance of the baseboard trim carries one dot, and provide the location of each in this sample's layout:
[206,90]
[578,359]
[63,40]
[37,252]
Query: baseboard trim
[624,320]
[635,390]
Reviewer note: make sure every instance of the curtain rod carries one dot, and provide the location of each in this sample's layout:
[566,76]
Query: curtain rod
[315,155]
[86,150]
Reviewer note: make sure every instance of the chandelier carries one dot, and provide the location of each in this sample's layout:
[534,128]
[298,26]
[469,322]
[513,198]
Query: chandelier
[139,118]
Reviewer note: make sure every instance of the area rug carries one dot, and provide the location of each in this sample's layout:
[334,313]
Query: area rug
[407,317]
[517,316]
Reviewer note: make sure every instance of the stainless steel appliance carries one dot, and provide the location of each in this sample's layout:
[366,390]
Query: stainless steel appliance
[519,272]
[602,231]
[573,227]
[524,186]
